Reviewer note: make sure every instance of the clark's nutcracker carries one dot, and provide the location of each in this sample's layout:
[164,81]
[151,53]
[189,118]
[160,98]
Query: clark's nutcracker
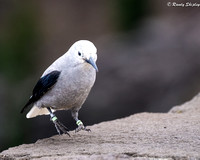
[65,84]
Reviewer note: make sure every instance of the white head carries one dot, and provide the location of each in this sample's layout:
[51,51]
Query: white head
[84,51]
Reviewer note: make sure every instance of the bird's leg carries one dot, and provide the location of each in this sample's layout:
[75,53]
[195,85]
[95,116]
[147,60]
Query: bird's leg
[79,123]
[59,126]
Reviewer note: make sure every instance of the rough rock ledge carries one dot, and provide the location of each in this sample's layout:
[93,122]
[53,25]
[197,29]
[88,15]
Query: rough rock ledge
[166,136]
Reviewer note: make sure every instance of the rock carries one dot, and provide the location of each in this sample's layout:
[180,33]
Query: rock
[143,136]
[192,106]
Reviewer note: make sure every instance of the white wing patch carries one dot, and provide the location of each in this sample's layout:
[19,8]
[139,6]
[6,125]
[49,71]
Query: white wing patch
[35,111]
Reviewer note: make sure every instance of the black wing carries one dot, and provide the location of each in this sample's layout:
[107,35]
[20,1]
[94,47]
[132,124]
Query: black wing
[44,84]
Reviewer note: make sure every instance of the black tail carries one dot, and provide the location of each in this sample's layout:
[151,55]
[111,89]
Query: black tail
[27,104]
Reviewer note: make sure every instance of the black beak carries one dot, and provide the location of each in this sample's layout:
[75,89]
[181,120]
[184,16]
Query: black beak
[91,61]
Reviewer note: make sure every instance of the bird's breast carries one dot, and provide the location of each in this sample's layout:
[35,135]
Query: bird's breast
[71,89]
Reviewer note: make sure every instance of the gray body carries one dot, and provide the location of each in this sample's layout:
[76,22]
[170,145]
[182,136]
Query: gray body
[71,89]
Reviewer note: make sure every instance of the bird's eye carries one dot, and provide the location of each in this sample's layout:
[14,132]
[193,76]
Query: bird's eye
[79,53]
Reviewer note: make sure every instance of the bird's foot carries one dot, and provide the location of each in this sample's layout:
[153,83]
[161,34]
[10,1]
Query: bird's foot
[59,126]
[81,127]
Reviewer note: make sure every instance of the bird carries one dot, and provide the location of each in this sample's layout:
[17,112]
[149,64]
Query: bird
[65,85]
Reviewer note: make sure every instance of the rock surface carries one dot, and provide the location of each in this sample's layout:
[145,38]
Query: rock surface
[192,107]
[169,136]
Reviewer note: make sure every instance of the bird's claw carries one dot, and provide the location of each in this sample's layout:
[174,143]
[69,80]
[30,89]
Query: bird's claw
[82,127]
[60,127]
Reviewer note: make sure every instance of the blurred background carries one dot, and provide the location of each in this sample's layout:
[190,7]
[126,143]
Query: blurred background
[148,57]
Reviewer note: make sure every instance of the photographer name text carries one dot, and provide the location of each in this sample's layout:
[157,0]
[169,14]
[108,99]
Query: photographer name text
[187,4]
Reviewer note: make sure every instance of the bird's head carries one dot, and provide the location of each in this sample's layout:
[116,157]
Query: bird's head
[84,51]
